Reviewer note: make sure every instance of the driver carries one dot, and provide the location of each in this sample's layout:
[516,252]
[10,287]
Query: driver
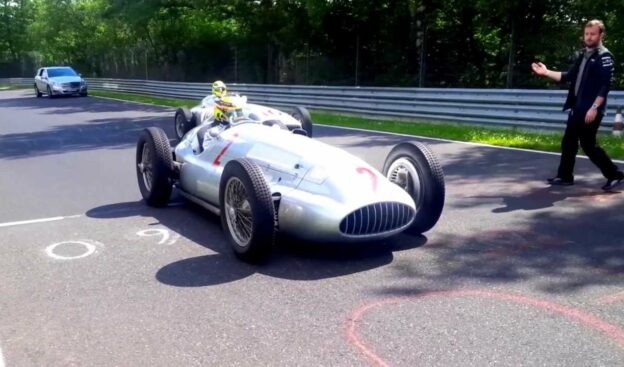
[219,90]
[225,110]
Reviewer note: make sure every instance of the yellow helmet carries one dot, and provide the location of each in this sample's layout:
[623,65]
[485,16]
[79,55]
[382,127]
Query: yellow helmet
[219,89]
[225,108]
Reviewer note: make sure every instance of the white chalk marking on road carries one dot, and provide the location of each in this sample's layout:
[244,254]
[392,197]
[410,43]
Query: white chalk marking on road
[34,221]
[50,250]
[1,359]
[159,232]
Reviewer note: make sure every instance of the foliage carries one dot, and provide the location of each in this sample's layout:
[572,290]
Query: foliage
[435,43]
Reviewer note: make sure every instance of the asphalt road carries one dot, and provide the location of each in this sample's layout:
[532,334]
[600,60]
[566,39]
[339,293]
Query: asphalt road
[515,273]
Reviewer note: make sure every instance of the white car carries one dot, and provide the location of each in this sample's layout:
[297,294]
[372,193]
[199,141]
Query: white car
[185,119]
[59,81]
[262,180]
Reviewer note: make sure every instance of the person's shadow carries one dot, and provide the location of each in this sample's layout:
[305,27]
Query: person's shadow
[291,259]
[543,197]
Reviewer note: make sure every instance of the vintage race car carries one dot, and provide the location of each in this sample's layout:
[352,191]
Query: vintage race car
[185,119]
[263,179]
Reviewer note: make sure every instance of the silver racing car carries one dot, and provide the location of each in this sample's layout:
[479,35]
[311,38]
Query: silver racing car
[265,178]
[185,119]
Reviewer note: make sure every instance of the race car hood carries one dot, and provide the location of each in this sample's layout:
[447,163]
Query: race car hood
[316,167]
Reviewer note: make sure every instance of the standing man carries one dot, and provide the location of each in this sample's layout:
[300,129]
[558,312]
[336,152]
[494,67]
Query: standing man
[589,79]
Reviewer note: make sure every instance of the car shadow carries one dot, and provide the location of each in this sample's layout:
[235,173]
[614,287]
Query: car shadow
[291,259]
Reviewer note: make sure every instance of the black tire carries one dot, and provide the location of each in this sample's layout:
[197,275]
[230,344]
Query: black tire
[84,94]
[183,121]
[49,91]
[302,115]
[154,166]
[427,188]
[37,93]
[243,179]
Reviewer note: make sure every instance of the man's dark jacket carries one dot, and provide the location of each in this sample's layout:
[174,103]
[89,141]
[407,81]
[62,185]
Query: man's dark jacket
[596,81]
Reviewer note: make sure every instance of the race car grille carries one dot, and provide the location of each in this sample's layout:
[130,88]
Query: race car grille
[71,85]
[376,218]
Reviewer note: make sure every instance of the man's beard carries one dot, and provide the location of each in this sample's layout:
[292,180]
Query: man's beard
[594,45]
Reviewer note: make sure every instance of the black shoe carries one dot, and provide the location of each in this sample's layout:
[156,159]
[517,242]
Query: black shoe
[612,184]
[560,182]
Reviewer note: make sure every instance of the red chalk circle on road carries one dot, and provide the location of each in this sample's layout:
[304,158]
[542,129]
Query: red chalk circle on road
[585,318]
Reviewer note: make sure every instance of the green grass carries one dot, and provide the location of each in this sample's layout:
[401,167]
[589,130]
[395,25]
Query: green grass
[158,101]
[506,137]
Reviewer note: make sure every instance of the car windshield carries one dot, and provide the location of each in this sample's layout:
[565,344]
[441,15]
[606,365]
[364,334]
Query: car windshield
[61,72]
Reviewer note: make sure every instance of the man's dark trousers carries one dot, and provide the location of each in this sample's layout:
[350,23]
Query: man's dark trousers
[577,130]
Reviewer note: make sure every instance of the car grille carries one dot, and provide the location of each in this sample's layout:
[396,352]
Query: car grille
[71,85]
[376,218]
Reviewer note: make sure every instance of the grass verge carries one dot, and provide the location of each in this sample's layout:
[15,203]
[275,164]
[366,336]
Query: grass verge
[13,87]
[515,138]
[158,101]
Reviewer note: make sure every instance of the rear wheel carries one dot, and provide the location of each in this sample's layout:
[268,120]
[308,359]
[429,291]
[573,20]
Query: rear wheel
[247,210]
[302,115]
[154,166]
[184,120]
[413,167]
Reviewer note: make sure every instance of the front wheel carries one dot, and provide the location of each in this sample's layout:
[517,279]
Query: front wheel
[414,168]
[37,93]
[49,91]
[247,210]
[154,166]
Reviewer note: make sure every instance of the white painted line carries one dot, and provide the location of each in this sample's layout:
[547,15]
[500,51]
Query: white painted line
[1,359]
[90,250]
[455,141]
[33,221]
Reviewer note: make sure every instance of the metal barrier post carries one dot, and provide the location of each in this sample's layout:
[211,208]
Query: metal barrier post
[617,123]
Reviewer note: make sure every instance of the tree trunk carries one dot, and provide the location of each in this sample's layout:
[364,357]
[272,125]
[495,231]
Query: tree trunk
[423,58]
[512,53]
[357,59]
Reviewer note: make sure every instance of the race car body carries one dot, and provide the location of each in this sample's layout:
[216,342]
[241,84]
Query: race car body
[262,180]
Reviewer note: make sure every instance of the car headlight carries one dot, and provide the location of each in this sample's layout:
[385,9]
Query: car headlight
[83,82]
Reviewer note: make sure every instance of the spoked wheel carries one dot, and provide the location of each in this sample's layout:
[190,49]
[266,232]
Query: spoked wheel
[415,169]
[238,211]
[154,166]
[247,211]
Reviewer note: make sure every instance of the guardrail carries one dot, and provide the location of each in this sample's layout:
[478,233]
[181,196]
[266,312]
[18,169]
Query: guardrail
[508,107]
